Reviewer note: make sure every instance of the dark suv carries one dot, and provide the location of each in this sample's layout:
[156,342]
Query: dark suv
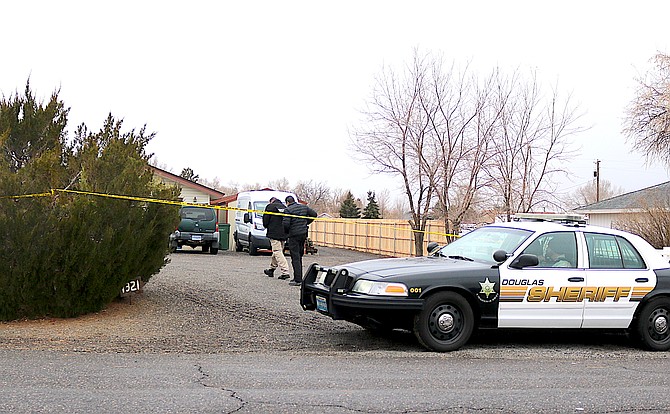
[198,227]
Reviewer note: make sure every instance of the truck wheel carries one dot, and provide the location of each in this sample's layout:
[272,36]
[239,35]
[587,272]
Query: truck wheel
[213,250]
[253,250]
[445,323]
[653,324]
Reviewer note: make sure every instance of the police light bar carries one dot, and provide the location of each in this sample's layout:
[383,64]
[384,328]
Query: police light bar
[554,217]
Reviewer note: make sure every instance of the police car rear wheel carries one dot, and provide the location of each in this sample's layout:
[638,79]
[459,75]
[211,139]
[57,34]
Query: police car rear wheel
[653,325]
[446,323]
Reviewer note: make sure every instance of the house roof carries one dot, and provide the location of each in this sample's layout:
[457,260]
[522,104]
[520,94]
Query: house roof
[214,194]
[233,197]
[635,200]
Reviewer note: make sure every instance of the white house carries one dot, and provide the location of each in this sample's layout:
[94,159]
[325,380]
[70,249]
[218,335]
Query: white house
[191,192]
[617,209]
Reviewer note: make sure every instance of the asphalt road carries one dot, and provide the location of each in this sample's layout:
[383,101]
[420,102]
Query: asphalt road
[385,382]
[212,334]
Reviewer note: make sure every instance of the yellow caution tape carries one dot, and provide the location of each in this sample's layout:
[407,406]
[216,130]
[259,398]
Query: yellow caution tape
[53,191]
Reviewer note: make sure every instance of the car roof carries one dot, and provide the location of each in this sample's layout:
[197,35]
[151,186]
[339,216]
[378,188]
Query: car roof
[550,226]
[647,250]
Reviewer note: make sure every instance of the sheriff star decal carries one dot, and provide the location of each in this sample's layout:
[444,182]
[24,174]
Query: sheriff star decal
[488,293]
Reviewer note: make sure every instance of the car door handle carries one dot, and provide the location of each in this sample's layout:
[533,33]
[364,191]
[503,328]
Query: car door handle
[576,279]
[642,280]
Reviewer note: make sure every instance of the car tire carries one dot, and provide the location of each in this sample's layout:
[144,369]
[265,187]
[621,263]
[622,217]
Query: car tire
[238,245]
[253,250]
[445,323]
[653,324]
[213,250]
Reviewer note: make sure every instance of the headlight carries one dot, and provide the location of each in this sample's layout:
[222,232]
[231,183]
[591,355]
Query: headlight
[370,287]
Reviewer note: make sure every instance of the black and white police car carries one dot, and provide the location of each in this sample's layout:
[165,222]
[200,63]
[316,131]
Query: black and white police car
[538,272]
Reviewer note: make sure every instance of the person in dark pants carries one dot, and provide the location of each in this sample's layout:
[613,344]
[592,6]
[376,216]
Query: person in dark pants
[274,223]
[296,223]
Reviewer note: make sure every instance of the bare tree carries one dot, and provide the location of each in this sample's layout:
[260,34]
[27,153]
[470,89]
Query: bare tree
[450,135]
[462,121]
[231,188]
[214,183]
[652,224]
[331,203]
[586,194]
[392,139]
[647,122]
[315,193]
[280,184]
[531,143]
[384,202]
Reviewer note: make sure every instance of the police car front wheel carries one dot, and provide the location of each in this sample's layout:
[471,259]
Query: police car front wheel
[445,323]
[653,324]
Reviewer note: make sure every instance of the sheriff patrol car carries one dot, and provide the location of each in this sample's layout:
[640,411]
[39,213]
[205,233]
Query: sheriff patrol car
[538,272]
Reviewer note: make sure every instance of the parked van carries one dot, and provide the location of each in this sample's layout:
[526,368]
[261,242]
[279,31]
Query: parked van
[249,231]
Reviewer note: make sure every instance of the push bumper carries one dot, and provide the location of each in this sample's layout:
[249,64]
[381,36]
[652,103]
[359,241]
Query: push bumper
[333,298]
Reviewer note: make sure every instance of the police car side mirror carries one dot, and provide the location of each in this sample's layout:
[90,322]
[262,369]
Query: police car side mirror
[432,248]
[247,218]
[500,256]
[525,260]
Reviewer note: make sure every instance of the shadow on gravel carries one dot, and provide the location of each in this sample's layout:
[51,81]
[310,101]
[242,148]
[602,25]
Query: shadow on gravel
[549,337]
[405,341]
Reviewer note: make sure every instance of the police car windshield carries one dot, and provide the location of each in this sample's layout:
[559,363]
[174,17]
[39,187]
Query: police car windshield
[479,245]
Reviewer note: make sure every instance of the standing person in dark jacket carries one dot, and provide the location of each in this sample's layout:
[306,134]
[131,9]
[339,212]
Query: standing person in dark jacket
[296,223]
[275,232]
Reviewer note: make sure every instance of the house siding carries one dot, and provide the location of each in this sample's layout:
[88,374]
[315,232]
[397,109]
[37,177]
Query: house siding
[608,213]
[191,195]
[604,219]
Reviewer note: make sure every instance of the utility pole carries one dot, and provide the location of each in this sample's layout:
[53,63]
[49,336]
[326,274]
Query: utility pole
[596,174]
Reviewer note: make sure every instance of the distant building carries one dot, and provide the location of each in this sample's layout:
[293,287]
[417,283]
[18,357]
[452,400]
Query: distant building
[191,192]
[617,209]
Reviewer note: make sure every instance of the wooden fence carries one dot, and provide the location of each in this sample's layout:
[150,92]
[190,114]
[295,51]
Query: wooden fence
[384,237]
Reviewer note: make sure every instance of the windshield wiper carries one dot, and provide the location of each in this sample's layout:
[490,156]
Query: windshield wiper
[461,258]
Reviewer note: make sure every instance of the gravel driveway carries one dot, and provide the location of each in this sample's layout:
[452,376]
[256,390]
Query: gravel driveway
[200,303]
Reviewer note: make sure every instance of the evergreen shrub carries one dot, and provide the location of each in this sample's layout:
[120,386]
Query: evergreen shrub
[67,254]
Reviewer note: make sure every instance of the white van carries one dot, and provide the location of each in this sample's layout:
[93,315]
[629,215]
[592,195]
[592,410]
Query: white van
[249,231]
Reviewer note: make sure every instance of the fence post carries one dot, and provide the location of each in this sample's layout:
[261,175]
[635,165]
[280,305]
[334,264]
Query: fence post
[355,234]
[395,237]
[380,237]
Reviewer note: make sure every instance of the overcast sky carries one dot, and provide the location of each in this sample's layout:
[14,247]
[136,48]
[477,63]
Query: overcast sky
[254,91]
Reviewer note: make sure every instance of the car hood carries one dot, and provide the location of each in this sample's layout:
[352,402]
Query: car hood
[399,267]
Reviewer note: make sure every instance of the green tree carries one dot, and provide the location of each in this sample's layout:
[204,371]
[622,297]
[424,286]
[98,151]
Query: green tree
[371,210]
[189,174]
[348,208]
[67,254]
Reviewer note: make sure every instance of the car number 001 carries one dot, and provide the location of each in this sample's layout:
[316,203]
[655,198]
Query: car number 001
[132,286]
